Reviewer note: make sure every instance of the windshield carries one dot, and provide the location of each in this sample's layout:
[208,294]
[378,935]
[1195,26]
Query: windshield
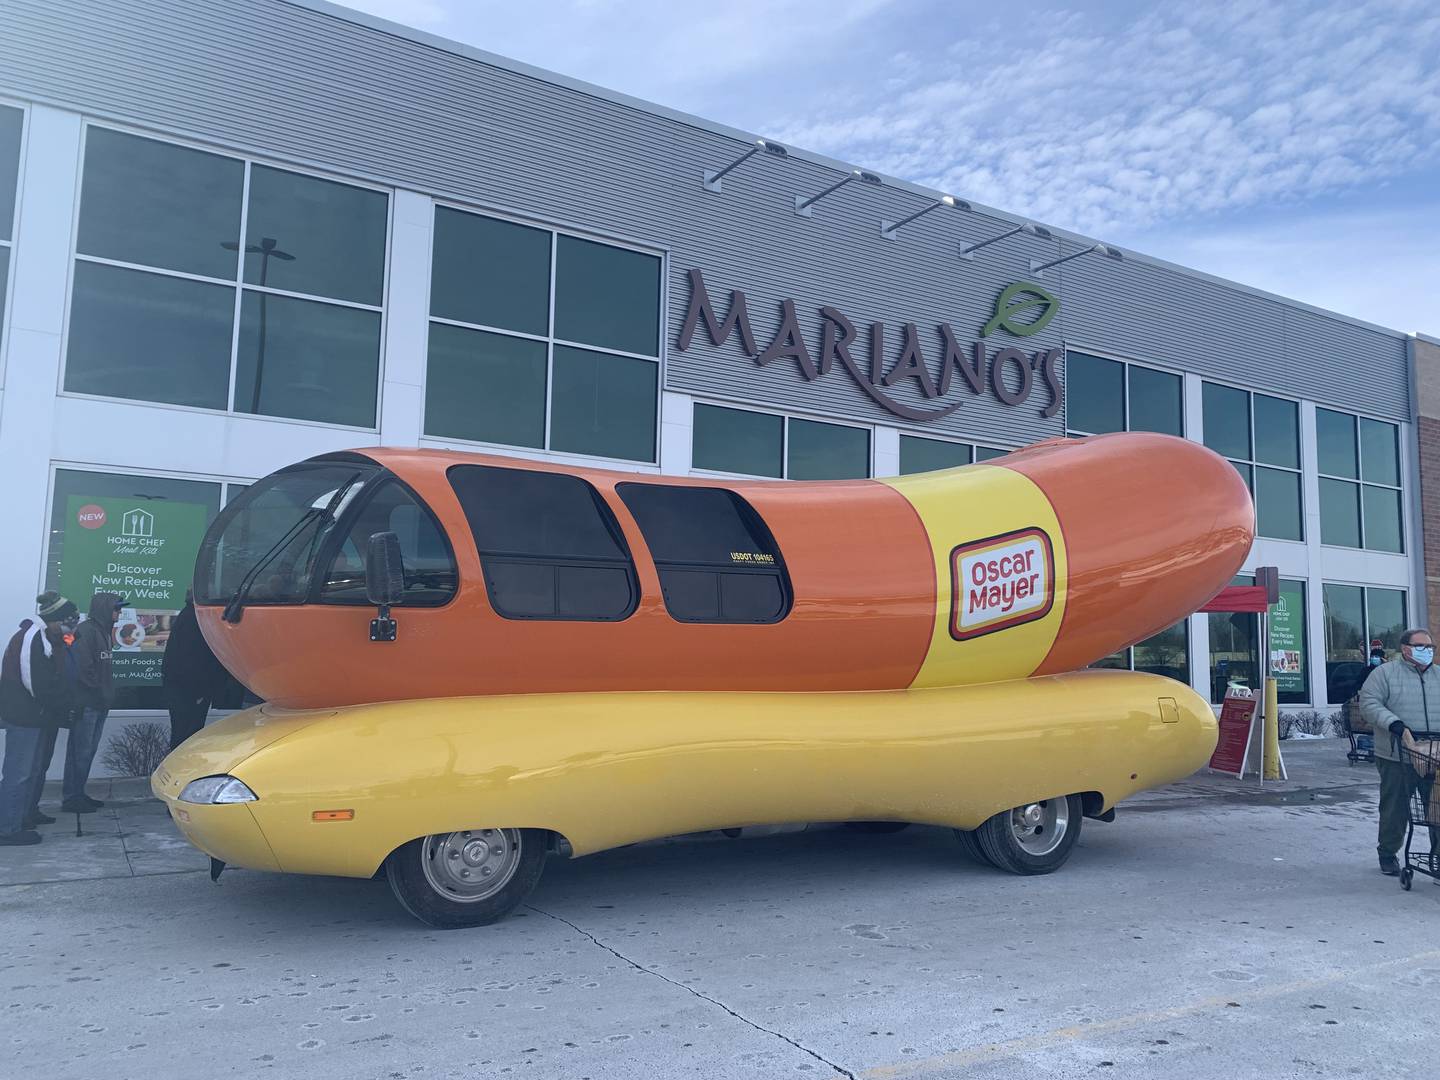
[275,531]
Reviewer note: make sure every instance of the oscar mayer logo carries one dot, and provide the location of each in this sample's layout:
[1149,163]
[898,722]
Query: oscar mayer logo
[1000,582]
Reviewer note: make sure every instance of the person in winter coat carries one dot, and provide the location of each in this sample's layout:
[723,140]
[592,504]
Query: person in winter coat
[32,696]
[1400,700]
[95,689]
[192,675]
[62,717]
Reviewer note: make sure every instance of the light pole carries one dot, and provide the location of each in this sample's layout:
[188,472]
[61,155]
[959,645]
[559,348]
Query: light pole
[266,249]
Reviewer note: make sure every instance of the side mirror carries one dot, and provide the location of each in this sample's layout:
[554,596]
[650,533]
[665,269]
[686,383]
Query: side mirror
[384,582]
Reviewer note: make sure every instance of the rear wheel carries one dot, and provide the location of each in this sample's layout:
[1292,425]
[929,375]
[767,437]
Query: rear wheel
[1035,838]
[467,878]
[970,845]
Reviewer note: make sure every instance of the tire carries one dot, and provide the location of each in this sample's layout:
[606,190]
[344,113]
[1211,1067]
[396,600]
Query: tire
[469,878]
[877,827]
[970,845]
[1032,839]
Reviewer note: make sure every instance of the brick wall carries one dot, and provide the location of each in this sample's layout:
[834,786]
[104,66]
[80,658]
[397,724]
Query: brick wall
[1427,400]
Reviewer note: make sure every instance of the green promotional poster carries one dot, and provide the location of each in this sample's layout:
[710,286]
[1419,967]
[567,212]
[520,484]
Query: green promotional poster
[1287,639]
[143,549]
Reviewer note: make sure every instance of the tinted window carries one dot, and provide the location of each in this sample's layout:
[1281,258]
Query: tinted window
[1378,452]
[1094,394]
[490,272]
[549,546]
[486,387]
[307,360]
[334,235]
[1382,519]
[157,204]
[430,574]
[1277,432]
[1277,504]
[827,451]
[1155,403]
[607,296]
[11,121]
[734,440]
[989,453]
[925,455]
[1335,443]
[149,336]
[1339,513]
[603,404]
[716,559]
[1227,420]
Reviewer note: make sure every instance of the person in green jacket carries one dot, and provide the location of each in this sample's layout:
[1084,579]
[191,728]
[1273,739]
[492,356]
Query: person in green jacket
[1400,699]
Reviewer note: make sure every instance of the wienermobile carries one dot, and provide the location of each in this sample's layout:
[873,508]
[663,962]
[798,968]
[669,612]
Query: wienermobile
[471,662]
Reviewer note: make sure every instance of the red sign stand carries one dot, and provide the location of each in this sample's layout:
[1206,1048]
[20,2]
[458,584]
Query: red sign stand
[1238,715]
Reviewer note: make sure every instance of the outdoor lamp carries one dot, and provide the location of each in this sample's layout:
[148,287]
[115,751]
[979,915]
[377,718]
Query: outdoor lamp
[968,253]
[1038,268]
[888,229]
[802,206]
[710,179]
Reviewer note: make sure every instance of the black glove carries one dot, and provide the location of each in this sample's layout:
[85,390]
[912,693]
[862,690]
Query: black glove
[1397,728]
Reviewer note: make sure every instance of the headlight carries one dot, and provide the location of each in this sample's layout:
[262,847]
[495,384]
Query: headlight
[217,789]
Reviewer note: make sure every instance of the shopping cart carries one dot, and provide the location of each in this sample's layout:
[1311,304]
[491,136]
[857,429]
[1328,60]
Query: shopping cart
[1362,741]
[1424,763]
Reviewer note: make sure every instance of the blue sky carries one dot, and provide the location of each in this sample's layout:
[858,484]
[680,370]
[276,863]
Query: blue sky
[1294,146]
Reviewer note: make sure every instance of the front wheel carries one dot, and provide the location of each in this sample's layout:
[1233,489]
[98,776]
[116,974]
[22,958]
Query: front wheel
[1035,838]
[468,878]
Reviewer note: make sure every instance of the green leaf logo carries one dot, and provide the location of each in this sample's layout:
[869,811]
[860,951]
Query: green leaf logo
[1013,301]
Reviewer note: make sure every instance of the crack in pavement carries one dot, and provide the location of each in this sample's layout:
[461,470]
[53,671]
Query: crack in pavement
[691,990]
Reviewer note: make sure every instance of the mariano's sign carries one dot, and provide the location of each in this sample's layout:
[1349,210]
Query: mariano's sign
[879,362]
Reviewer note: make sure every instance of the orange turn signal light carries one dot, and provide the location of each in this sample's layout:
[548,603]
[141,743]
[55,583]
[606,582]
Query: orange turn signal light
[333,815]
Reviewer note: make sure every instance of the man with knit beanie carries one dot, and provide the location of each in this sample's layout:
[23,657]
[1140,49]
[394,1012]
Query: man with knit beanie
[33,697]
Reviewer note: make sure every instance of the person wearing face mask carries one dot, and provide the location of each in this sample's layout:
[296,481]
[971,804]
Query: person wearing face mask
[1400,699]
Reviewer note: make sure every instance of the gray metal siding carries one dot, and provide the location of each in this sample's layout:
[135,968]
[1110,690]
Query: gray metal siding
[297,84]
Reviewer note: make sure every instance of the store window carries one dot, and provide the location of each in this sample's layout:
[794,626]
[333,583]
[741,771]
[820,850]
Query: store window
[137,536]
[1107,395]
[1260,435]
[1235,646]
[550,547]
[542,339]
[1166,653]
[171,237]
[12,123]
[989,453]
[767,444]
[1360,489]
[926,455]
[717,561]
[1356,615]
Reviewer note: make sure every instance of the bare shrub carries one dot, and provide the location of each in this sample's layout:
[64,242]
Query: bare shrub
[137,749]
[1304,722]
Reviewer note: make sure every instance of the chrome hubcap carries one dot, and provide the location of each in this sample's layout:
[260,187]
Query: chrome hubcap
[1039,827]
[473,865]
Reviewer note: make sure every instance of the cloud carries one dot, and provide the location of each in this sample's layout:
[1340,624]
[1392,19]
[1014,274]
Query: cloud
[1188,110]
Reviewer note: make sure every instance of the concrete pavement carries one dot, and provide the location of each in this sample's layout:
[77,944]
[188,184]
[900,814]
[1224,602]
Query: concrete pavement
[1210,930]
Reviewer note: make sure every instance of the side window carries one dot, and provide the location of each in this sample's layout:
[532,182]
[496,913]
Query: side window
[717,561]
[430,574]
[549,546]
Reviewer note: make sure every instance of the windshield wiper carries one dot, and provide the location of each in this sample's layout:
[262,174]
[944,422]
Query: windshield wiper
[236,607]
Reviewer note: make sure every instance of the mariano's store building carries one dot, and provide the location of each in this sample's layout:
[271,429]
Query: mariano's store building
[235,235]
